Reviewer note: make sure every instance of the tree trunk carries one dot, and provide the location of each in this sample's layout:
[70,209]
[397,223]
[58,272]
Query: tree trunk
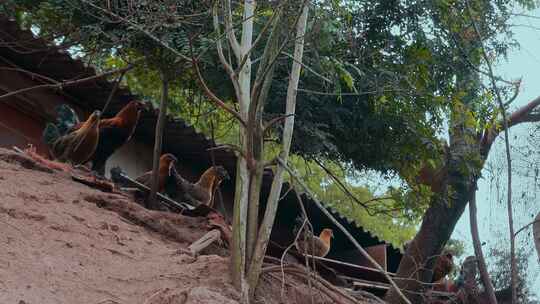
[275,190]
[241,196]
[160,126]
[489,291]
[437,227]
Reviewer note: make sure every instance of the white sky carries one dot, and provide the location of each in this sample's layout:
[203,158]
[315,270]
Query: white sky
[492,213]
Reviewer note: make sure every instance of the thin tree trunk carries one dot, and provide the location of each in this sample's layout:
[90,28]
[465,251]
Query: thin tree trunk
[160,126]
[241,197]
[513,261]
[259,94]
[239,223]
[508,157]
[484,275]
[275,190]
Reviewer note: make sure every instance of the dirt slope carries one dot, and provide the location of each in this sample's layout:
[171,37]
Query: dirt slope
[63,242]
[57,247]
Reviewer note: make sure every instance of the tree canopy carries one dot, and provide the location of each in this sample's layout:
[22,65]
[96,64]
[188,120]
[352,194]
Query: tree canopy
[399,87]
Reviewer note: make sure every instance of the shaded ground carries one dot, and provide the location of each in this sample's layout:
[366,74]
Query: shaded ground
[63,242]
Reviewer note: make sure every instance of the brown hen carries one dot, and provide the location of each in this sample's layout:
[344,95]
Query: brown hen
[201,192]
[165,172]
[80,145]
[316,246]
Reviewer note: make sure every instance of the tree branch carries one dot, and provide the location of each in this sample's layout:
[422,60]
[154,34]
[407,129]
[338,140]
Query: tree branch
[226,64]
[478,250]
[257,40]
[233,42]
[139,28]
[309,69]
[68,83]
[274,121]
[526,113]
[113,91]
[216,100]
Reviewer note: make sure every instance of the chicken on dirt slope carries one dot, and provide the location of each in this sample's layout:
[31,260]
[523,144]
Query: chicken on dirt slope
[114,133]
[201,192]
[78,146]
[309,244]
[165,172]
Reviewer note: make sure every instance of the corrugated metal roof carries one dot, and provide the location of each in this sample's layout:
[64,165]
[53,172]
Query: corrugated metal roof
[41,57]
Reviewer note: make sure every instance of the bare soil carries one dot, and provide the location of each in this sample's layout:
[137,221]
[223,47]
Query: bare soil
[64,242]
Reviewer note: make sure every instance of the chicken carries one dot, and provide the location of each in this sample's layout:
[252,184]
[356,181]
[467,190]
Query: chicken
[165,172]
[201,192]
[320,244]
[114,133]
[443,266]
[78,146]
[307,243]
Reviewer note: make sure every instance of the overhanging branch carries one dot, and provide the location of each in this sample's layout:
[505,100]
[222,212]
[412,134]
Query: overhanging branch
[527,113]
[216,100]
[60,85]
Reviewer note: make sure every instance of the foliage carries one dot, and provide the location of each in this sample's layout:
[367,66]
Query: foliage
[403,58]
[386,217]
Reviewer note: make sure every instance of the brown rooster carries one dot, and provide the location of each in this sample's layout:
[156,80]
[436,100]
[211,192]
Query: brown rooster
[78,146]
[320,244]
[201,192]
[114,133]
[443,266]
[165,172]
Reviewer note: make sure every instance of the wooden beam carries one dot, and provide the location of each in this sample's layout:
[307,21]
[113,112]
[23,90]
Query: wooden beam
[206,240]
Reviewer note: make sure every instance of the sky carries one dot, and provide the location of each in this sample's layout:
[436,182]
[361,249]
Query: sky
[491,195]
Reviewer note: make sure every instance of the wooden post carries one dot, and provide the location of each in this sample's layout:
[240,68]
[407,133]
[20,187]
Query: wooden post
[160,126]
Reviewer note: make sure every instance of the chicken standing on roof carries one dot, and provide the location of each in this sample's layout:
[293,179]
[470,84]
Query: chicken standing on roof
[309,244]
[114,133]
[201,192]
[78,146]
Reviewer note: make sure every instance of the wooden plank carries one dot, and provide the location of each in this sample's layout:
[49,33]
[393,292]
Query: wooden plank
[206,240]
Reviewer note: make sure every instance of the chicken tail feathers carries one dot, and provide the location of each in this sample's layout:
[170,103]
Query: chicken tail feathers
[66,118]
[299,222]
[50,134]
